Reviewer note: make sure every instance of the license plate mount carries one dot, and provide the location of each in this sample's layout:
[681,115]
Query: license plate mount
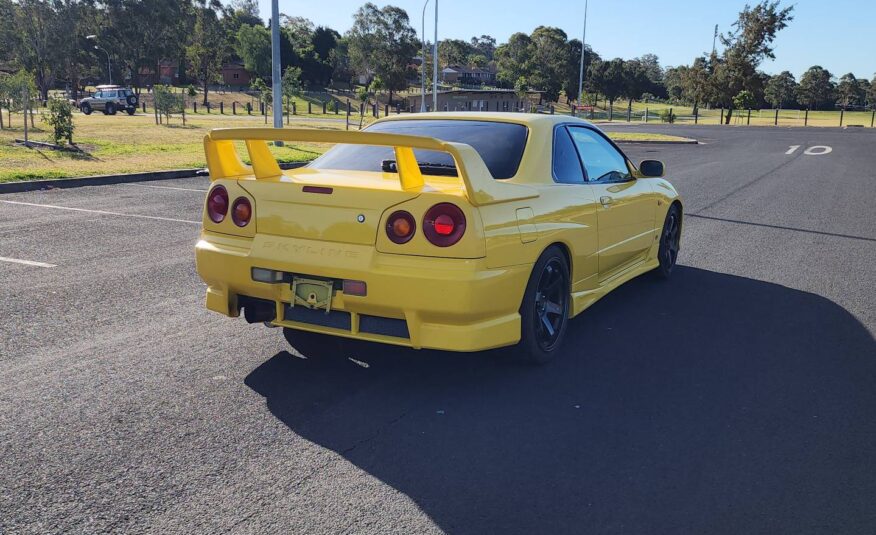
[312,293]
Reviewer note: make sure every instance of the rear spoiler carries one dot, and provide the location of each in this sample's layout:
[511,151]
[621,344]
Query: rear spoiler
[481,188]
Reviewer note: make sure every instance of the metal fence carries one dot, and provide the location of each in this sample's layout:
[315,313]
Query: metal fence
[764,117]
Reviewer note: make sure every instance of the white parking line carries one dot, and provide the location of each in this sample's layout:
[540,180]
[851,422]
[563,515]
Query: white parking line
[165,187]
[102,212]
[26,262]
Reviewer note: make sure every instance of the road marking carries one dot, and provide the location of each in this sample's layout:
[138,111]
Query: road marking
[102,212]
[822,149]
[26,262]
[165,187]
[816,150]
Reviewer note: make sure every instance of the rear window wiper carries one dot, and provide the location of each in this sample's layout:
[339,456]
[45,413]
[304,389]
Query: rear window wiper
[449,169]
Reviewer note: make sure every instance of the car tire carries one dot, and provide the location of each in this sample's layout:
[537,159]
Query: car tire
[544,312]
[86,109]
[670,242]
[131,100]
[110,108]
[131,111]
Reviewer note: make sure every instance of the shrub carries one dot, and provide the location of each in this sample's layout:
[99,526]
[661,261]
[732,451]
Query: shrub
[667,116]
[59,115]
[166,101]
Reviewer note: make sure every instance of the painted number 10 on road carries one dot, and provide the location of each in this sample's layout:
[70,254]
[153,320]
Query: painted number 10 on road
[817,150]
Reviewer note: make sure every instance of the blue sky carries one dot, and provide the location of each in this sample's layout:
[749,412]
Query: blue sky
[838,35]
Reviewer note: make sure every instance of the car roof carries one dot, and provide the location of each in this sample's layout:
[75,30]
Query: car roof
[535,166]
[108,87]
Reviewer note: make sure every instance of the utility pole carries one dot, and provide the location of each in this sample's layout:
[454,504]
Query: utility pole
[715,40]
[423,63]
[583,44]
[275,72]
[435,63]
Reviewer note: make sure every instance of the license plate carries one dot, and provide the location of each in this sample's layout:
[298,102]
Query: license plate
[311,293]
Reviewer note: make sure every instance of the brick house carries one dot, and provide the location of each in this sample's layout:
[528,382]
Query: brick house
[234,74]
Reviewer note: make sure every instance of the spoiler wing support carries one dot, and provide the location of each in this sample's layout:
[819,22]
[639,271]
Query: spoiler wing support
[481,188]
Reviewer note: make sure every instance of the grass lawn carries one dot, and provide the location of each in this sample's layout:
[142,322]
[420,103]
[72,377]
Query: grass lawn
[644,136]
[125,144]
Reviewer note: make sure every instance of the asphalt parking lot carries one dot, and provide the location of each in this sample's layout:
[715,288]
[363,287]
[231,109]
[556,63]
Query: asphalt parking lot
[736,398]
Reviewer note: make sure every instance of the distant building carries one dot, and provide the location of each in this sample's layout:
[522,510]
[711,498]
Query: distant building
[168,73]
[471,75]
[478,100]
[235,74]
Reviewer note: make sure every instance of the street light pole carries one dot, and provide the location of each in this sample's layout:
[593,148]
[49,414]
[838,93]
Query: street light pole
[435,63]
[583,41]
[275,71]
[423,63]
[109,67]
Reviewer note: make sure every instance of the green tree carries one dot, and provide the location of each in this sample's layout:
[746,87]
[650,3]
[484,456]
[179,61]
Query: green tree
[550,51]
[35,35]
[140,33]
[484,45]
[850,91]
[696,84]
[781,90]
[744,100]
[635,80]
[672,81]
[816,88]
[746,46]
[871,93]
[208,46]
[454,52]
[514,59]
[59,115]
[573,69]
[253,46]
[608,78]
[167,102]
[292,86]
[382,43]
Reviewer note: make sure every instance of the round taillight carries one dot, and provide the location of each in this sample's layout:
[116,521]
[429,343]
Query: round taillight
[217,204]
[400,227]
[444,224]
[241,212]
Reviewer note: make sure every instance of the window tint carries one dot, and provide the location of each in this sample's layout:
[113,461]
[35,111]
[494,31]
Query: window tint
[601,160]
[109,94]
[499,144]
[567,166]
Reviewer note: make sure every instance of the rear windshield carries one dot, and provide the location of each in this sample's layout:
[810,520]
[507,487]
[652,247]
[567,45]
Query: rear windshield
[499,144]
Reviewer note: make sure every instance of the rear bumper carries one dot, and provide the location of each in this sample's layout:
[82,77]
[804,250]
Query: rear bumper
[449,304]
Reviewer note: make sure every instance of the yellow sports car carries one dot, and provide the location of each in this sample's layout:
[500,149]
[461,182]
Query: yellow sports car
[454,231]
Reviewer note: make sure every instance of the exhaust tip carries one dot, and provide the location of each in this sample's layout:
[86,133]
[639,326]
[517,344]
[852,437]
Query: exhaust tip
[257,310]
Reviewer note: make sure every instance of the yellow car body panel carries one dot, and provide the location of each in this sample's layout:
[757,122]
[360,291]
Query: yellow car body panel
[465,297]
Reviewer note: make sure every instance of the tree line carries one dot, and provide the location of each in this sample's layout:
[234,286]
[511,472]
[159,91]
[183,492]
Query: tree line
[63,43]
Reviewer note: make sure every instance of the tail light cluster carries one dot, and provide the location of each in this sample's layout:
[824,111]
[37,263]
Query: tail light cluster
[218,203]
[443,225]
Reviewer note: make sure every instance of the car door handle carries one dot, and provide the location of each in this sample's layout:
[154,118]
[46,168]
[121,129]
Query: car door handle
[605,200]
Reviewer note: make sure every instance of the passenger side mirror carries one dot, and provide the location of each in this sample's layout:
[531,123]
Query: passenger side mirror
[651,168]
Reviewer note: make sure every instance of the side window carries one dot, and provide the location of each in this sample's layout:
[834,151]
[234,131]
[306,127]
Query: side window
[110,94]
[566,165]
[600,159]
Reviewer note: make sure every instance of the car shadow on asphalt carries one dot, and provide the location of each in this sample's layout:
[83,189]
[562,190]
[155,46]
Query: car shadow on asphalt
[710,403]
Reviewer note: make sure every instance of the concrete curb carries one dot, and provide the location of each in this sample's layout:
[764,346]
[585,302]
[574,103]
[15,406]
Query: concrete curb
[104,180]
